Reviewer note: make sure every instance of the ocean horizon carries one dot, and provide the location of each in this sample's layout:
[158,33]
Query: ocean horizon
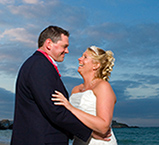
[124,136]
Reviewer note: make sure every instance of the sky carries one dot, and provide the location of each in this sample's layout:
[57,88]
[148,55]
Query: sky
[129,28]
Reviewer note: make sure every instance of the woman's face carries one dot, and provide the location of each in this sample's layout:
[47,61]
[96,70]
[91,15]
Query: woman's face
[85,63]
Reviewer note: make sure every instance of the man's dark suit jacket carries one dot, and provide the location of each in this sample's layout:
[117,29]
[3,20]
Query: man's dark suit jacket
[37,121]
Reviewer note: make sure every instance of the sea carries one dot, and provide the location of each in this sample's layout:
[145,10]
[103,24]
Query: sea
[124,136]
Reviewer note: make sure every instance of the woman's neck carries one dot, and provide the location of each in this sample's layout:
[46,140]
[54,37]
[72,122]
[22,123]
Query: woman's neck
[89,83]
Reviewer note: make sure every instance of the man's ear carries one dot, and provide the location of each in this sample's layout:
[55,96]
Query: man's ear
[49,43]
[96,66]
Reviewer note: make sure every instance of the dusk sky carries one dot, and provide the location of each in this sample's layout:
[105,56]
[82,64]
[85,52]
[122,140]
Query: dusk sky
[129,28]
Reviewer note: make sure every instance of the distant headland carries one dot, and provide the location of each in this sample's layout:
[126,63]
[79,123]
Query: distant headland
[8,124]
[116,124]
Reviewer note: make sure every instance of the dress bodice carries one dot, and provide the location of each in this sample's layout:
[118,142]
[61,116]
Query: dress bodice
[86,101]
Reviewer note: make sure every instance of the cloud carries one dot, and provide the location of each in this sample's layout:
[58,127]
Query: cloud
[31,1]
[18,34]
[6,104]
[41,10]
[120,87]
[143,91]
[7,1]
[50,12]
[137,41]
[137,108]
[70,83]
[136,89]
[18,44]
[12,56]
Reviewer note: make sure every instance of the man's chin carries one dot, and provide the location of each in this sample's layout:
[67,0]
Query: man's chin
[60,60]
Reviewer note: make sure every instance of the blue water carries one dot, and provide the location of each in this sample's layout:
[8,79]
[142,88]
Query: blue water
[137,136]
[5,135]
[125,136]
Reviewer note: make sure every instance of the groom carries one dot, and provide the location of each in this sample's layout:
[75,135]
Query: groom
[37,121]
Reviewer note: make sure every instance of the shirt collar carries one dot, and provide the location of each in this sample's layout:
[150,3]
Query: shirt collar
[54,62]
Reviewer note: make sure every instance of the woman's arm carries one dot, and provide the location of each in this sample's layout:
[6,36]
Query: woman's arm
[104,108]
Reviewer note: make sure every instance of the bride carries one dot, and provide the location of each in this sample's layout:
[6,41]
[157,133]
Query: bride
[93,101]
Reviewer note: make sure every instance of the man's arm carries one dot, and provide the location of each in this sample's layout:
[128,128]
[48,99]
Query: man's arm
[105,136]
[43,81]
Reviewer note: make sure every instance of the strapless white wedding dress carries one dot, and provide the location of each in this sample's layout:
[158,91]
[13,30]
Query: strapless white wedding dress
[86,101]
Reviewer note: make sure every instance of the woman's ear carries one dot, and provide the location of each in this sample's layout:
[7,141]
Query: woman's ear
[96,66]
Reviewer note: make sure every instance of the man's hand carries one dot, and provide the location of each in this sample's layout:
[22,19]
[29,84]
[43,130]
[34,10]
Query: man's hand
[104,137]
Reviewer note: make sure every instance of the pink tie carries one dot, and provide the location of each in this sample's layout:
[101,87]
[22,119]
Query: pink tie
[47,56]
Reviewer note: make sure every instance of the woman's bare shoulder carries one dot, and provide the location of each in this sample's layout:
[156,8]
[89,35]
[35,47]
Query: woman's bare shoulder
[103,84]
[104,87]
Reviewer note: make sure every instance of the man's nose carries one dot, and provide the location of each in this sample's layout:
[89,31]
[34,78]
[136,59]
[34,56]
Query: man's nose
[66,50]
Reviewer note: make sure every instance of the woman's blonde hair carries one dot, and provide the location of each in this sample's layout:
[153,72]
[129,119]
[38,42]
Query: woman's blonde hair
[106,60]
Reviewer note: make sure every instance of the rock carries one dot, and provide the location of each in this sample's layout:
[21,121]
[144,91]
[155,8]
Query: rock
[116,124]
[11,125]
[6,124]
